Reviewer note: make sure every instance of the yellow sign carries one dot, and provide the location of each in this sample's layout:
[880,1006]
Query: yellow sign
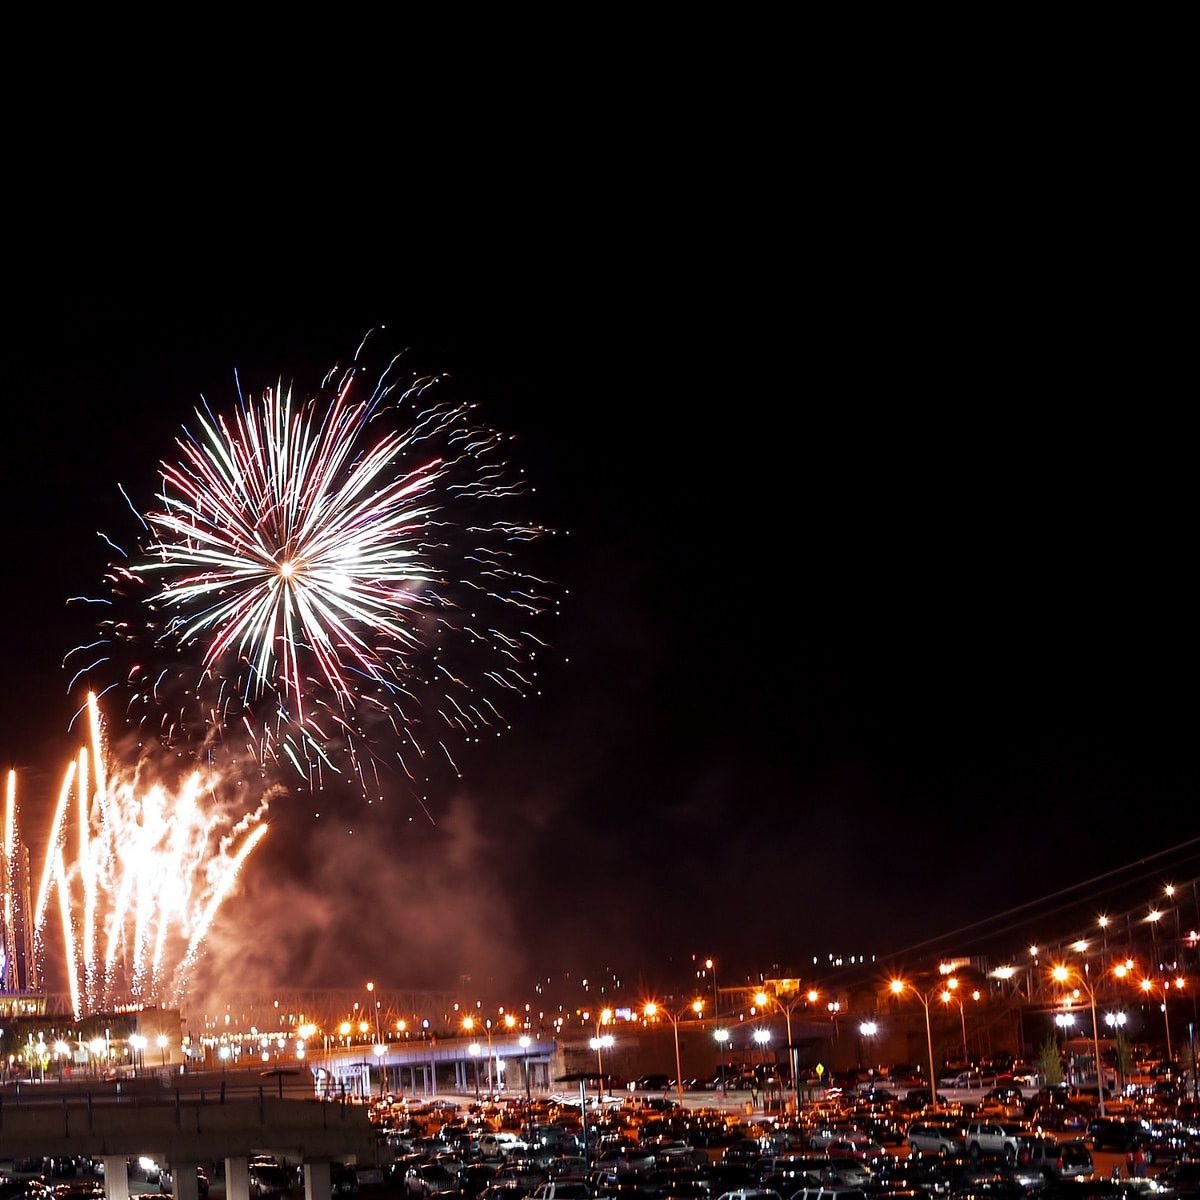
[820,1070]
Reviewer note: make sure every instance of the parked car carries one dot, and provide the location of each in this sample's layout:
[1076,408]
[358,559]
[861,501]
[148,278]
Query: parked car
[927,1138]
[25,1189]
[1074,1161]
[653,1083]
[268,1181]
[1119,1134]
[429,1179]
[166,1182]
[79,1189]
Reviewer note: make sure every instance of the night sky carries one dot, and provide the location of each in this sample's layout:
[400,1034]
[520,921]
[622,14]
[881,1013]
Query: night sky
[880,618]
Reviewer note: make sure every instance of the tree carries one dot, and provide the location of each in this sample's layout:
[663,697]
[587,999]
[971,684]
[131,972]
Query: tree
[1050,1063]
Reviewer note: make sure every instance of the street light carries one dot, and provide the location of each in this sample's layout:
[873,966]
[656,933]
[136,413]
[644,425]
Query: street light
[898,988]
[1062,974]
[791,997]
[722,1036]
[762,1038]
[469,1024]
[525,1042]
[868,1030]
[949,996]
[139,1043]
[379,1050]
[474,1051]
[653,1009]
[599,1044]
[162,1042]
[1151,987]
[1116,1022]
[710,964]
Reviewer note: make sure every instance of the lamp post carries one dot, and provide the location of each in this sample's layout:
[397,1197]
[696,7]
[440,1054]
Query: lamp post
[525,1044]
[785,1003]
[600,1044]
[139,1043]
[61,1050]
[710,964]
[762,1039]
[473,1050]
[652,1010]
[1063,974]
[898,988]
[1116,1022]
[162,1042]
[722,1036]
[469,1024]
[867,1030]
[950,995]
[1151,987]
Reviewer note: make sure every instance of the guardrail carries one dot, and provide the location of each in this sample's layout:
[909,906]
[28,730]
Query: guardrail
[163,1092]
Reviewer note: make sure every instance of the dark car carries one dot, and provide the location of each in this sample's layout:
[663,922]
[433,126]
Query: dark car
[343,1180]
[653,1083]
[79,1189]
[1074,1161]
[1112,1133]
[267,1181]
[1180,1179]
[475,1177]
[165,1184]
[25,1189]
[1093,1189]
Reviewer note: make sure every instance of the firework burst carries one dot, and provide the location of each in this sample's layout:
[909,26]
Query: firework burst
[333,582]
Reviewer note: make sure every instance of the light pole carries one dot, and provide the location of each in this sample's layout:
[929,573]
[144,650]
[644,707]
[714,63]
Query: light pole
[868,1030]
[950,996]
[139,1042]
[599,1044]
[469,1024]
[786,1003]
[653,1009]
[722,1036]
[525,1044]
[379,1051]
[1150,987]
[162,1041]
[473,1050]
[1062,974]
[762,1038]
[1116,1022]
[899,987]
[710,964]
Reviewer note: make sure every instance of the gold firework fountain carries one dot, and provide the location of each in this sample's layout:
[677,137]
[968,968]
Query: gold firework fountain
[133,876]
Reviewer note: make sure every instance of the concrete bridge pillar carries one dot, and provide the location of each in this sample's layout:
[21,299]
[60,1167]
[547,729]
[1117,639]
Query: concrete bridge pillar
[316,1181]
[116,1177]
[237,1179]
[184,1185]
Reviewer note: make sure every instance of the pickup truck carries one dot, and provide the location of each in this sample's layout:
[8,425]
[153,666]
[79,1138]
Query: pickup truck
[988,1137]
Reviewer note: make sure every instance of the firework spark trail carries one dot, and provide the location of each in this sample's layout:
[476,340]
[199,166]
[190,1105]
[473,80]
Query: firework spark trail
[153,866]
[310,567]
[52,845]
[8,881]
[222,890]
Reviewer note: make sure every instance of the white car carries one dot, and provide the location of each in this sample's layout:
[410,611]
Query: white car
[501,1145]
